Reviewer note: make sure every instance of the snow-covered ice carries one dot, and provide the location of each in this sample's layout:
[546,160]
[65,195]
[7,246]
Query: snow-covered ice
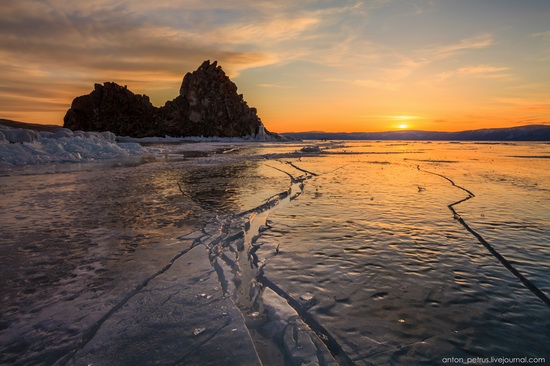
[25,147]
[19,147]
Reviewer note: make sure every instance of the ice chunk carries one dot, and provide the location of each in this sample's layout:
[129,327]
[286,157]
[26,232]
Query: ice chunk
[45,134]
[62,132]
[18,135]
[261,135]
[299,345]
[198,331]
[109,136]
[310,149]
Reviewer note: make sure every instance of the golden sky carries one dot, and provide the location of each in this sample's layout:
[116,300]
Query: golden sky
[331,65]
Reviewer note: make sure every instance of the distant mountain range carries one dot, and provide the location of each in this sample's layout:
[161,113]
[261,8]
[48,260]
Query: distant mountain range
[521,133]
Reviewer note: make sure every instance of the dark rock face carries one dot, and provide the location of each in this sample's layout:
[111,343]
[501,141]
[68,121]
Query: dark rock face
[111,107]
[208,105]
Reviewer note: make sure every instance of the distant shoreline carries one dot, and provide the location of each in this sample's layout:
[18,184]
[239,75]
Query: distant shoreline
[540,133]
[520,133]
[28,126]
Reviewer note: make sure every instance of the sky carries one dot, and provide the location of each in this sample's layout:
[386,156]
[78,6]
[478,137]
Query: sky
[309,65]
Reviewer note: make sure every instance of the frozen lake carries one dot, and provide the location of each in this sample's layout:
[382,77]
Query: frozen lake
[386,252]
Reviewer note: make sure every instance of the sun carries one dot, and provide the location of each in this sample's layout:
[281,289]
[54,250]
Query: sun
[402,121]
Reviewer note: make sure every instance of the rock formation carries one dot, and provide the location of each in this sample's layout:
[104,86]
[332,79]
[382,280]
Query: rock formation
[111,107]
[208,105]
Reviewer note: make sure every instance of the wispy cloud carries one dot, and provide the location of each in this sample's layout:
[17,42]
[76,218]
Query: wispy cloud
[479,71]
[424,6]
[473,43]
[376,84]
[368,83]
[544,35]
[167,37]
[544,45]
[273,30]
[399,66]
[527,104]
[275,86]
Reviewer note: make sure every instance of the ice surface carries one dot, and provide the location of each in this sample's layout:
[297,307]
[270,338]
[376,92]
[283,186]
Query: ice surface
[27,147]
[395,276]
[261,136]
[101,246]
[350,255]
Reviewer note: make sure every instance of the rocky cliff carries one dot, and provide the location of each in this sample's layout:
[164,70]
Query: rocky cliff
[208,105]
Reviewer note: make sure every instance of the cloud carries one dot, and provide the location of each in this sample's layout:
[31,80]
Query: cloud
[442,51]
[275,86]
[424,6]
[54,50]
[529,120]
[399,66]
[544,35]
[479,71]
[273,30]
[70,45]
[149,45]
[383,67]
[368,83]
[108,40]
[375,84]
[544,51]
[526,104]
[164,36]
[404,67]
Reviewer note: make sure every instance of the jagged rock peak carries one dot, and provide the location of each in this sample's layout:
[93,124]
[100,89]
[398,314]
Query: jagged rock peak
[210,99]
[208,75]
[206,70]
[208,104]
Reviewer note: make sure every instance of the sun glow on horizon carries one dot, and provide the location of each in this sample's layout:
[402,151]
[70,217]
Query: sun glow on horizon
[403,120]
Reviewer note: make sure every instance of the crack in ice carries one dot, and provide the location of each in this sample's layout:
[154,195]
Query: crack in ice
[92,331]
[181,361]
[248,270]
[526,282]
[322,333]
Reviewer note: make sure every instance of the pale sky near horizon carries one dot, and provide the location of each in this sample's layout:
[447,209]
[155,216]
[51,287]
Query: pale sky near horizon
[371,65]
